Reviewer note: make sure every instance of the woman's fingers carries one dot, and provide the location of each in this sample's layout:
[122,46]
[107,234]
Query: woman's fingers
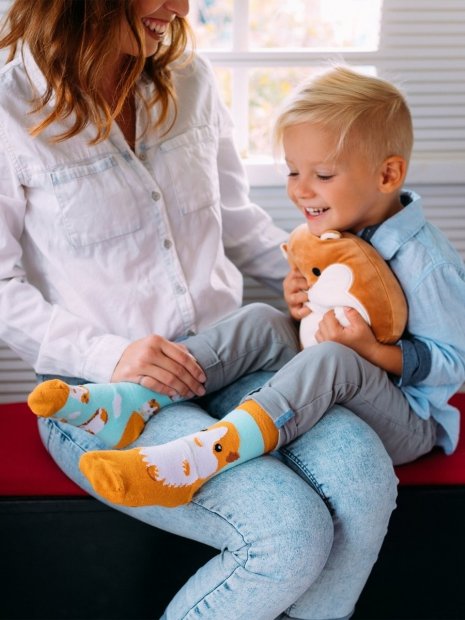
[162,366]
[176,370]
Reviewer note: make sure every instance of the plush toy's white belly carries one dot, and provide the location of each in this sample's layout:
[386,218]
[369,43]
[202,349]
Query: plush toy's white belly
[330,292]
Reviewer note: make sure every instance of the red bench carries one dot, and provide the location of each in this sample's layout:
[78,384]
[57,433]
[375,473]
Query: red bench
[30,471]
[49,526]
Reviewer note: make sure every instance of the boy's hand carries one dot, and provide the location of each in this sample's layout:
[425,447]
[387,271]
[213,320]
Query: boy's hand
[360,337]
[295,294]
[160,365]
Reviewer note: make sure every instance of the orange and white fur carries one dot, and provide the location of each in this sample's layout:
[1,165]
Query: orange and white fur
[164,477]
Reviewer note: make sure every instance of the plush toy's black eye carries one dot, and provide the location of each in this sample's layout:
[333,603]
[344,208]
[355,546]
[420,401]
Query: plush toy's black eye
[316,272]
[218,447]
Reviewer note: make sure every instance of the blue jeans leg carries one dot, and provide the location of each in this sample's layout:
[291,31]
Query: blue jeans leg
[275,526]
[345,461]
[273,531]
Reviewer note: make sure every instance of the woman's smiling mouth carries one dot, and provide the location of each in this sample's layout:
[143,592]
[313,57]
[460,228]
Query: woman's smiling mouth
[156,28]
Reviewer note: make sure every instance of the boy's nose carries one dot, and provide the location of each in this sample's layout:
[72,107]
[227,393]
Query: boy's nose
[305,190]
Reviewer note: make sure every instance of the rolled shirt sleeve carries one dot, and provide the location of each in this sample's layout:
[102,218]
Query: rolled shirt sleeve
[416,361]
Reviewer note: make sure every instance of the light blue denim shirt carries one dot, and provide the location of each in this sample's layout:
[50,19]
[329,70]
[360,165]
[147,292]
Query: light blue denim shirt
[432,275]
[101,245]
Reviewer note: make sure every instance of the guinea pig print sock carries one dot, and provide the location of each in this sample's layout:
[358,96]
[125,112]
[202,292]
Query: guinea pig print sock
[169,474]
[114,412]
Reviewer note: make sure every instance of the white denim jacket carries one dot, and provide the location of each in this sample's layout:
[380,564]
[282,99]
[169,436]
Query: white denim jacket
[100,245]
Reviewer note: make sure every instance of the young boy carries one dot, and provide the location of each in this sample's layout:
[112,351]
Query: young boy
[347,140]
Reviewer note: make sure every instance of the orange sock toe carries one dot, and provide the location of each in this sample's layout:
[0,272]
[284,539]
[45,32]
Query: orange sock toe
[48,397]
[102,470]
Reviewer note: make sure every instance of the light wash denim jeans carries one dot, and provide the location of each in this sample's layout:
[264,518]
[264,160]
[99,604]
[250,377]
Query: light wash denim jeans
[297,531]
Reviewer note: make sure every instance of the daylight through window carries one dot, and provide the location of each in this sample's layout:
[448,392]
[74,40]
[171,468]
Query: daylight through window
[261,50]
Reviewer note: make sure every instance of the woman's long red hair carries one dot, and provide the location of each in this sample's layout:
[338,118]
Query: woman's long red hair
[72,42]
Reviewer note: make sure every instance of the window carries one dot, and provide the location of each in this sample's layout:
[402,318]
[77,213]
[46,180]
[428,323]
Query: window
[261,49]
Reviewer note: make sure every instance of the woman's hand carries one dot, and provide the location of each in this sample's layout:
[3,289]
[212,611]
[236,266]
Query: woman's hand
[160,365]
[295,294]
[359,336]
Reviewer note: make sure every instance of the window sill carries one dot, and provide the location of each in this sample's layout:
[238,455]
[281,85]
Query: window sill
[440,169]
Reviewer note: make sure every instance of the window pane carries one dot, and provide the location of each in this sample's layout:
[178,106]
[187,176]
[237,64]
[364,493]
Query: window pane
[268,89]
[224,80]
[211,21]
[314,24]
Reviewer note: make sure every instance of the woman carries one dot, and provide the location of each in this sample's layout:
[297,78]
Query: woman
[125,226]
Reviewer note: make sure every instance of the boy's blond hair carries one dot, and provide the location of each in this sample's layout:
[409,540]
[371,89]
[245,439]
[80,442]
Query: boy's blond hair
[366,113]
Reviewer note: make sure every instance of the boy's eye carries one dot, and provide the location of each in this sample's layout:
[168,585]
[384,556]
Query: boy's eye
[291,173]
[325,177]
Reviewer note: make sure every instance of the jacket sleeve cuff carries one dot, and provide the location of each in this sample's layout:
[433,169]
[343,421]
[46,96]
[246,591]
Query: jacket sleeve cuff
[103,357]
[416,362]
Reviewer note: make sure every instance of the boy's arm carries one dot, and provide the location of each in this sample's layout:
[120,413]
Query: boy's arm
[388,357]
[436,349]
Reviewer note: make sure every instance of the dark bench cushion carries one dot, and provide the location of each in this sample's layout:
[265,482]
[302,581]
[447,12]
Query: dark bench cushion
[27,470]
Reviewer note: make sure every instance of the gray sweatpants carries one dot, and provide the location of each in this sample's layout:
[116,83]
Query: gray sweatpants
[309,382]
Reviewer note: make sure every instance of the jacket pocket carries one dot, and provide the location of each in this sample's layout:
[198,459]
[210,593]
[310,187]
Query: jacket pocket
[191,159]
[97,200]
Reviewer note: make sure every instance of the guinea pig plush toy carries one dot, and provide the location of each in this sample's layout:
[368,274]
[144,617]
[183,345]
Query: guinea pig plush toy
[343,270]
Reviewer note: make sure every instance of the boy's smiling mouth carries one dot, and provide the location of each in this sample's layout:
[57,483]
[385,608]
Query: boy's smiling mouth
[314,211]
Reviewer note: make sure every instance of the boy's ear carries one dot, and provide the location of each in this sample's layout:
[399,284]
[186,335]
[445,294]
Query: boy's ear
[392,174]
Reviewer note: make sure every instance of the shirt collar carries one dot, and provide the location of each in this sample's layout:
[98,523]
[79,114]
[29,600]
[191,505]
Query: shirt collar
[35,75]
[390,235]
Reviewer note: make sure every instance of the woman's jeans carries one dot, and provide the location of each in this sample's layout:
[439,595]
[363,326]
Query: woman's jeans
[297,531]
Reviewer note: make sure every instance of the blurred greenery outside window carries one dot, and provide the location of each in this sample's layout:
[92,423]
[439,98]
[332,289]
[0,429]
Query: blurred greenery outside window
[261,49]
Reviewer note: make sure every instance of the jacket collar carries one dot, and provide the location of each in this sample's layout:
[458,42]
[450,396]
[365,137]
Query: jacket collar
[389,236]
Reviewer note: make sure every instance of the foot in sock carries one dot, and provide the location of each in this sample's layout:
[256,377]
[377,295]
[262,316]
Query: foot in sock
[169,474]
[114,412]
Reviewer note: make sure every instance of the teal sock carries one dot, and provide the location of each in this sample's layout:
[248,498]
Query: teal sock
[114,412]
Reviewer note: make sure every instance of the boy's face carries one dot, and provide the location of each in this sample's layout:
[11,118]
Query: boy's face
[332,194]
